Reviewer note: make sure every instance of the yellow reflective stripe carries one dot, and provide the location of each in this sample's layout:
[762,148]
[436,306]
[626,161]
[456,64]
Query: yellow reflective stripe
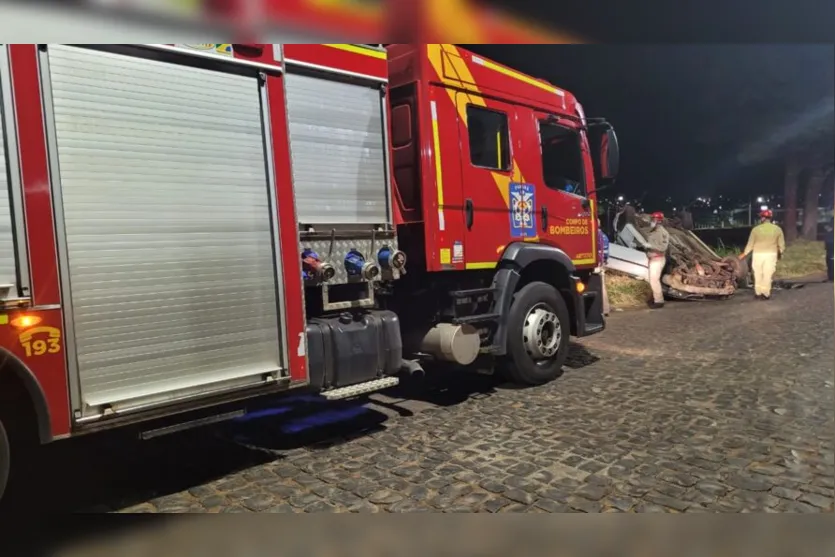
[364,50]
[439,178]
[485,265]
[446,53]
[516,75]
[499,148]
[4,319]
[436,143]
[593,231]
[583,261]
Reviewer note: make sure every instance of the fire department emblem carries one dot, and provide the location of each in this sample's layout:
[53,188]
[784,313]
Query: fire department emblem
[522,210]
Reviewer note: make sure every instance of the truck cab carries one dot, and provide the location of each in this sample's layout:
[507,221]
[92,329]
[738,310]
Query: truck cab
[495,176]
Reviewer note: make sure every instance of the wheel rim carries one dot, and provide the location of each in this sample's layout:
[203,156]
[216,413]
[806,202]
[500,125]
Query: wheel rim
[542,333]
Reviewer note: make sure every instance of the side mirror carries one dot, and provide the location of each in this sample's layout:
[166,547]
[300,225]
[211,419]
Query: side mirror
[609,155]
[605,151]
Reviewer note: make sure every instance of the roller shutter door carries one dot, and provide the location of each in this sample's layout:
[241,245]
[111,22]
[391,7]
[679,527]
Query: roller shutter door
[168,227]
[8,274]
[337,146]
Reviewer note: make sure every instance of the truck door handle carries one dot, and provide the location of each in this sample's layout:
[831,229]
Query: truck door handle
[544,218]
[468,213]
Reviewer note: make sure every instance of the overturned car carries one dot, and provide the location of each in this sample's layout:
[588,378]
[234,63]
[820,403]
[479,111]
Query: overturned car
[693,271]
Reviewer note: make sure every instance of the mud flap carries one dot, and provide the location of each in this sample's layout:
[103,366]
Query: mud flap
[588,307]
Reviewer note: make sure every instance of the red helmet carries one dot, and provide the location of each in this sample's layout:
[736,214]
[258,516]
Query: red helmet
[766,214]
[658,215]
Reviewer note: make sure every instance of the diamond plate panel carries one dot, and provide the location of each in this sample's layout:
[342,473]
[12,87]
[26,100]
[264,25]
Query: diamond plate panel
[334,252]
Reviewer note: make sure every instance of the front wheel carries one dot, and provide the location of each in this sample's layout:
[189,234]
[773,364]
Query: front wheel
[537,335]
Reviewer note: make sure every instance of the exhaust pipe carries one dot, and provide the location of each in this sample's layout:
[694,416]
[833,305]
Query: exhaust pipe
[413,369]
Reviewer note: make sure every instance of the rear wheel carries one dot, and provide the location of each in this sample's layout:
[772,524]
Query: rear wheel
[5,459]
[537,335]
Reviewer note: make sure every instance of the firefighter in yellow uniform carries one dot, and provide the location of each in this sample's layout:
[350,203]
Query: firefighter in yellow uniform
[768,244]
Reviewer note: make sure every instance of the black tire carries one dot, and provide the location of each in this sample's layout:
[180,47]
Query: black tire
[5,459]
[518,365]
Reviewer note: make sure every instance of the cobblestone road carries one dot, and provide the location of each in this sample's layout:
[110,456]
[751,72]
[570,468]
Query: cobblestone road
[703,407]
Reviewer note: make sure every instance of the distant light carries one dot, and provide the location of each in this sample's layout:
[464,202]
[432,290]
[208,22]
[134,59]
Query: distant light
[763,207]
[620,198]
[778,205]
[720,207]
[759,200]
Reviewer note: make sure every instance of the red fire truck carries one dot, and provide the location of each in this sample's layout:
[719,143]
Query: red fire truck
[187,227]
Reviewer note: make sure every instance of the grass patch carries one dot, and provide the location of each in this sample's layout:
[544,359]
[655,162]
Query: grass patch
[625,291]
[801,259]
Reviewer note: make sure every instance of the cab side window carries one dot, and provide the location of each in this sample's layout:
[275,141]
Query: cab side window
[562,158]
[488,137]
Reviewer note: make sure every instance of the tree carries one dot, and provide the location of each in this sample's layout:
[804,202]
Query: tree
[790,183]
[818,163]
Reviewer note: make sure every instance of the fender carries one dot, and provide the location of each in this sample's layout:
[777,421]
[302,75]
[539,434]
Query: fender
[515,258]
[523,254]
[11,364]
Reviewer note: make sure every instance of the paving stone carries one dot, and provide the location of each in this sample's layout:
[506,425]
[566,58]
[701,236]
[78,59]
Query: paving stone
[522,469]
[519,482]
[785,493]
[472,500]
[495,504]
[593,492]
[282,508]
[816,500]
[584,505]
[551,506]
[320,507]
[754,500]
[749,483]
[651,508]
[712,488]
[797,507]
[233,509]
[258,503]
[492,486]
[620,503]
[384,497]
[514,508]
[667,501]
[677,478]
[520,496]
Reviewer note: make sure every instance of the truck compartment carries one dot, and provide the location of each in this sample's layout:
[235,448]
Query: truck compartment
[352,349]
[338,151]
[166,226]
[11,226]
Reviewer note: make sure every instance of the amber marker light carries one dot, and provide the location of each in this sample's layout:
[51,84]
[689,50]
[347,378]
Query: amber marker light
[25,321]
[580,287]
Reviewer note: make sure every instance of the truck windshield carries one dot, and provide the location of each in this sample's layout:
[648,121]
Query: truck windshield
[562,160]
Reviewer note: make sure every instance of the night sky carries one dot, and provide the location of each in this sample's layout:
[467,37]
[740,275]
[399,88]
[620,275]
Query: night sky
[692,120]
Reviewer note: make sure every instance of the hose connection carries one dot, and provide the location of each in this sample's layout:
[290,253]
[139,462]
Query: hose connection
[356,265]
[313,268]
[391,258]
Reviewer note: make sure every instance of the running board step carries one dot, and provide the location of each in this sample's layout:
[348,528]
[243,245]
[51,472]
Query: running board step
[473,292]
[480,318]
[361,388]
